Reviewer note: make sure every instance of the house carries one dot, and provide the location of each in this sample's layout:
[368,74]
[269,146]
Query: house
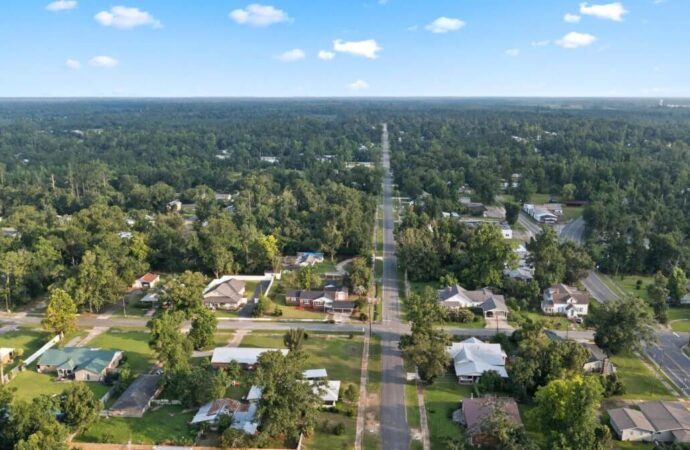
[270,159]
[566,300]
[472,357]
[456,296]
[315,374]
[243,414]
[598,361]
[321,300]
[520,273]
[82,364]
[10,232]
[656,421]
[308,258]
[506,231]
[226,293]
[175,206]
[247,357]
[125,235]
[137,398]
[476,411]
[540,213]
[327,390]
[151,299]
[147,281]
[6,355]
[222,197]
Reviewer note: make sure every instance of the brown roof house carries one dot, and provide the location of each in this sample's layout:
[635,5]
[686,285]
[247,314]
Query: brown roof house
[226,293]
[321,300]
[656,421]
[454,297]
[147,281]
[566,300]
[476,411]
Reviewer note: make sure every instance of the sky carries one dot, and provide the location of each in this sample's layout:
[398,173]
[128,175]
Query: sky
[305,48]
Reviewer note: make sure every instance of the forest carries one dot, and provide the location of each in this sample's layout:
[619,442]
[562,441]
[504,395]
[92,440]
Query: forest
[86,189]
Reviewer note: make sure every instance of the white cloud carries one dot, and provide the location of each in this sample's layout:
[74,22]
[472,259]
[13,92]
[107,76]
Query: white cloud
[543,43]
[72,64]
[575,40]
[358,85]
[105,62]
[61,5]
[326,55]
[296,54]
[444,25]
[610,11]
[258,15]
[124,17]
[368,48]
[572,18]
[514,52]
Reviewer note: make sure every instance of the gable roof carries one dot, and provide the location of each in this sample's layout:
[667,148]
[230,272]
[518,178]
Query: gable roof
[463,295]
[315,373]
[472,357]
[149,277]
[665,415]
[242,355]
[224,289]
[138,395]
[626,418]
[494,303]
[477,410]
[562,293]
[328,391]
[91,359]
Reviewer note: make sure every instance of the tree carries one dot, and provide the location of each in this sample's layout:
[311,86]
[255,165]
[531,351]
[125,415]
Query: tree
[204,325]
[359,274]
[524,191]
[427,349]
[658,294]
[568,191]
[566,410]
[332,239]
[196,385]
[578,263]
[261,307]
[184,292]
[501,432]
[621,325]
[61,313]
[486,256]
[80,406]
[512,212]
[288,406]
[294,339]
[13,265]
[490,382]
[546,257]
[448,280]
[308,278]
[424,310]
[171,347]
[677,284]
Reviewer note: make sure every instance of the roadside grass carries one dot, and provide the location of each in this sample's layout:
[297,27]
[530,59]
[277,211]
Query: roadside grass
[679,318]
[372,441]
[31,384]
[28,339]
[413,418]
[477,322]
[167,424]
[572,212]
[551,322]
[441,399]
[133,342]
[628,284]
[640,382]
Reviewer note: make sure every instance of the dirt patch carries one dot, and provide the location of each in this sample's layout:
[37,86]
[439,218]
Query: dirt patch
[371,418]
[415,434]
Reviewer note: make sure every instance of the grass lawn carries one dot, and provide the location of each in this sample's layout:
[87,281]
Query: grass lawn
[419,286]
[31,384]
[539,198]
[167,424]
[531,426]
[413,420]
[325,439]
[28,339]
[478,322]
[641,383]
[441,399]
[325,266]
[629,445]
[628,284]
[133,342]
[552,322]
[572,212]
[277,297]
[679,318]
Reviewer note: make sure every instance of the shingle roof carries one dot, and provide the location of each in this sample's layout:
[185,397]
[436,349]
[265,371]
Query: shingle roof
[626,418]
[666,415]
[223,290]
[138,394]
[477,410]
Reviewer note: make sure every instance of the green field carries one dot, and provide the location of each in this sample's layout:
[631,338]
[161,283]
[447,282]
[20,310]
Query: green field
[168,424]
[640,382]
[441,399]
[628,284]
[372,441]
[551,322]
[679,319]
[31,384]
[28,339]
[133,342]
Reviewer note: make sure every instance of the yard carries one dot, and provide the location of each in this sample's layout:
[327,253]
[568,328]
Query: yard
[133,342]
[31,384]
[679,318]
[641,383]
[277,297]
[516,318]
[441,399]
[28,339]
[372,440]
[341,357]
[628,284]
[164,425]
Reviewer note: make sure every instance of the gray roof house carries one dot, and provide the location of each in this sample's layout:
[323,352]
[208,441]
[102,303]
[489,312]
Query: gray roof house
[225,293]
[492,305]
[656,421]
[137,398]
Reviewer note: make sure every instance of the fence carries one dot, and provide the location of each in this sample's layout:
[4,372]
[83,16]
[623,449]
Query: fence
[9,376]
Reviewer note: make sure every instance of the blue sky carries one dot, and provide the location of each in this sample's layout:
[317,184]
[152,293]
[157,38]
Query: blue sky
[384,48]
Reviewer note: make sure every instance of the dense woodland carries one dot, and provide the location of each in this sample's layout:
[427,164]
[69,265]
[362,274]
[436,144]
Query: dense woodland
[629,159]
[86,184]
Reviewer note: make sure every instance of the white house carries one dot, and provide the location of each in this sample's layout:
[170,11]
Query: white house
[147,281]
[243,414]
[565,300]
[222,356]
[506,231]
[472,358]
[454,297]
[327,390]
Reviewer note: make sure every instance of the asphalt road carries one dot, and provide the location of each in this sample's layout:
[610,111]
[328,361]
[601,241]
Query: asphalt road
[573,230]
[395,433]
[528,224]
[668,354]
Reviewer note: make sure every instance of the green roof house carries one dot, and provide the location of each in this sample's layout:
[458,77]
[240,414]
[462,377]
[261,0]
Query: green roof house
[82,364]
